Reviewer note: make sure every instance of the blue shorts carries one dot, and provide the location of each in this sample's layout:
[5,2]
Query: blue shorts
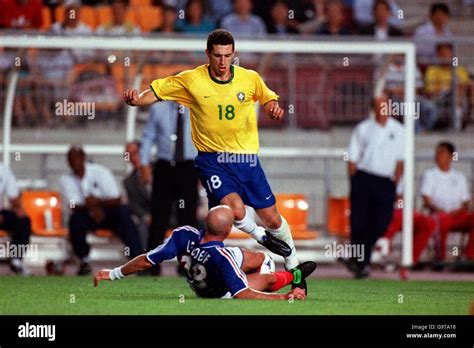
[224,173]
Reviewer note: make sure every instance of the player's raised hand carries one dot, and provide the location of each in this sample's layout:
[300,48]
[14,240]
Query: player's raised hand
[130,96]
[103,274]
[273,110]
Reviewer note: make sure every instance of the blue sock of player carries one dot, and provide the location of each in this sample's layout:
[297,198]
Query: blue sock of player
[283,233]
[248,225]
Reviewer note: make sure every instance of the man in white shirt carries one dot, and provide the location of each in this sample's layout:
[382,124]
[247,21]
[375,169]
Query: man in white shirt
[375,167]
[93,195]
[446,194]
[13,220]
[428,34]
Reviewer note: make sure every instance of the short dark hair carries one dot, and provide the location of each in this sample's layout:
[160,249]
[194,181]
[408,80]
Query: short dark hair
[441,45]
[191,2]
[136,142]
[167,8]
[381,2]
[448,146]
[125,2]
[439,6]
[220,37]
[76,148]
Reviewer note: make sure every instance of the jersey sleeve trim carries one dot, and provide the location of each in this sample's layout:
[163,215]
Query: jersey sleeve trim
[154,92]
[219,81]
[188,228]
[238,292]
[232,262]
[150,260]
[271,99]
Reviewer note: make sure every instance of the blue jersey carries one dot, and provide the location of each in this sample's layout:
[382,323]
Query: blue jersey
[212,270]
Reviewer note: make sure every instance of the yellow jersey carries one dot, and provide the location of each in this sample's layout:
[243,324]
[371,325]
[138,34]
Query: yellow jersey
[438,78]
[223,117]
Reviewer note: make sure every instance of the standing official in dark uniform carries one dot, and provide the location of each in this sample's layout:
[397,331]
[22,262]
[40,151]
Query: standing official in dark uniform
[375,166]
[174,177]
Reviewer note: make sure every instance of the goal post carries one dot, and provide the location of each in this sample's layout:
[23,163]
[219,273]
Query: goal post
[272,45]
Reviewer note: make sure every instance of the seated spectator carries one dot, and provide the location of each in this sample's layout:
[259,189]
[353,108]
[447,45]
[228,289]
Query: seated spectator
[218,9]
[395,86]
[334,22]
[52,74]
[72,24]
[24,108]
[424,227]
[381,28]
[279,22]
[119,24]
[168,27]
[242,22]
[92,193]
[20,14]
[52,5]
[438,82]
[363,13]
[13,220]
[308,14]
[53,69]
[170,16]
[138,192]
[427,35]
[194,21]
[446,194]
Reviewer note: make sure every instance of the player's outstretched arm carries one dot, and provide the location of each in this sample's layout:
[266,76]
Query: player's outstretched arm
[133,98]
[251,294]
[138,264]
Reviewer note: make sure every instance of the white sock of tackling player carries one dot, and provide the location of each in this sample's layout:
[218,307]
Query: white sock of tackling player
[283,233]
[248,225]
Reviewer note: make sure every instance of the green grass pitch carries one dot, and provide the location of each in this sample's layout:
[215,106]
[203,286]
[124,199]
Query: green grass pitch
[147,295]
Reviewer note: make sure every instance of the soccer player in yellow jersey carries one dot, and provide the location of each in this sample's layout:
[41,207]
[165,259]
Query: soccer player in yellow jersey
[222,100]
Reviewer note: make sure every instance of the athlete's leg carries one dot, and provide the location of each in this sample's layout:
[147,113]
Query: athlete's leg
[395,225]
[259,269]
[423,228]
[243,220]
[262,282]
[278,227]
[252,261]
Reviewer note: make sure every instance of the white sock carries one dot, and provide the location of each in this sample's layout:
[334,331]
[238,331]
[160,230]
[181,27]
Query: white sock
[248,225]
[283,233]
[268,265]
[17,262]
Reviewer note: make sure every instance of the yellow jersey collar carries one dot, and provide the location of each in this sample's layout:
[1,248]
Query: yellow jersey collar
[218,81]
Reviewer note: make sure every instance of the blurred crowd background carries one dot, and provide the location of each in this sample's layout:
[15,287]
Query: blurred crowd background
[442,31]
